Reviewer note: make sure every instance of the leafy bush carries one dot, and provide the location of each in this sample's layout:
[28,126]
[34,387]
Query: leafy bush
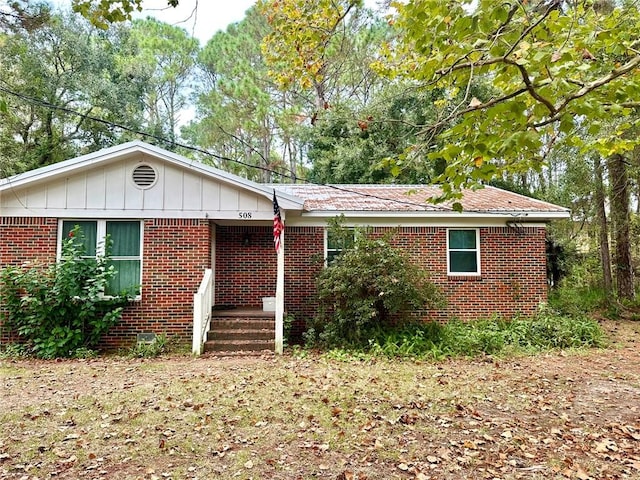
[475,338]
[14,350]
[60,310]
[551,329]
[581,291]
[419,340]
[369,286]
[287,327]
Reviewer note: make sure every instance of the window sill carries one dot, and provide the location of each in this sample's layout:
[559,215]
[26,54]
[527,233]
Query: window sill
[464,278]
[136,299]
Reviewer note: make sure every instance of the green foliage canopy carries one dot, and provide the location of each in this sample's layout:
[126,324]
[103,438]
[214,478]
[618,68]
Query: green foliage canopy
[103,12]
[301,55]
[240,112]
[59,75]
[555,64]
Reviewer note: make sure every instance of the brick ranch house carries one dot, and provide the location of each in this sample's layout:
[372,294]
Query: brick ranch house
[194,237]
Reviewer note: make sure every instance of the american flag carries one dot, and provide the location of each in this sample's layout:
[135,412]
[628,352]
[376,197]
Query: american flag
[278,226]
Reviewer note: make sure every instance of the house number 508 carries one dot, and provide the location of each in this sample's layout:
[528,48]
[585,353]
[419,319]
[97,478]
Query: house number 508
[244,215]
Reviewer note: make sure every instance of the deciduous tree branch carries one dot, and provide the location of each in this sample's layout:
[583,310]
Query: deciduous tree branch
[588,88]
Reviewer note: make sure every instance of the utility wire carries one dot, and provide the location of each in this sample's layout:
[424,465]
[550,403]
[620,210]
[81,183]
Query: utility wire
[42,103]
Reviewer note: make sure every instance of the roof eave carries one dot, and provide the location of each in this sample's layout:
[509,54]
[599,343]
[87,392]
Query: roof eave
[507,215]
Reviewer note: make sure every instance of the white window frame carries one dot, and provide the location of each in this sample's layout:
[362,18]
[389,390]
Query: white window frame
[336,250]
[101,233]
[477,250]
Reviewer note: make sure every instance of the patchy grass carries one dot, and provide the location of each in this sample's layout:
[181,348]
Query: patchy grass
[557,415]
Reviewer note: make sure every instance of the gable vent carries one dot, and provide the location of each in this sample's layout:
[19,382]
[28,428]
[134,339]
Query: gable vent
[144,176]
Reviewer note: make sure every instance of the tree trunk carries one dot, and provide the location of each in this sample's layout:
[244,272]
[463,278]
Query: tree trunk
[619,199]
[605,255]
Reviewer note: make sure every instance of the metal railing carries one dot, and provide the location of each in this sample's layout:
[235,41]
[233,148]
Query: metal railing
[202,303]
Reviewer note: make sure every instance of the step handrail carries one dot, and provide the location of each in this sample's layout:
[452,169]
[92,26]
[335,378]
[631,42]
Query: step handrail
[202,303]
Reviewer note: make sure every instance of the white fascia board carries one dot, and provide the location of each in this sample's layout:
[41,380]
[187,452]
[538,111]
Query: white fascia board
[394,222]
[284,200]
[66,166]
[227,215]
[506,215]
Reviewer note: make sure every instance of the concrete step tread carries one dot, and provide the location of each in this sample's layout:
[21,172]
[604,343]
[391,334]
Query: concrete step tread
[243,341]
[240,353]
[242,330]
[242,319]
[238,345]
[238,323]
[232,335]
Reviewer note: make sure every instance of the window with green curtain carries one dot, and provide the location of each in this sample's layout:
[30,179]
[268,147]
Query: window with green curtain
[463,251]
[124,249]
[337,243]
[88,234]
[125,255]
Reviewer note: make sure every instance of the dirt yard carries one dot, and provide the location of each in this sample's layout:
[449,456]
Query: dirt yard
[564,415]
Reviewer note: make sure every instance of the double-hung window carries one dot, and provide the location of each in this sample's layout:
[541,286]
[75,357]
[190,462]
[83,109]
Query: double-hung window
[463,251]
[125,253]
[336,242]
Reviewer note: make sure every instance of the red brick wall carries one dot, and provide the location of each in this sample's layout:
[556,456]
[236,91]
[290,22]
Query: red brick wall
[176,252]
[513,267]
[513,271]
[304,258]
[244,274]
[26,240]
[175,255]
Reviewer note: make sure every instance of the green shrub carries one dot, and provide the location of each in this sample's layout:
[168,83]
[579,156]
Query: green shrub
[287,329]
[368,286]
[419,340]
[14,350]
[551,329]
[581,291]
[83,352]
[60,309]
[474,338]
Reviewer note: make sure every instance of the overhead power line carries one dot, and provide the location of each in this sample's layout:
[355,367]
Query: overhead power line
[45,104]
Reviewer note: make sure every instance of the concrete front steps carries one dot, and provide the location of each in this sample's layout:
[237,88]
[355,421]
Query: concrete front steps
[241,331]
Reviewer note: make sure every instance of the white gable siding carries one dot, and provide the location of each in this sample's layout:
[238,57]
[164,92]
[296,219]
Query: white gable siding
[108,191]
[97,185]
